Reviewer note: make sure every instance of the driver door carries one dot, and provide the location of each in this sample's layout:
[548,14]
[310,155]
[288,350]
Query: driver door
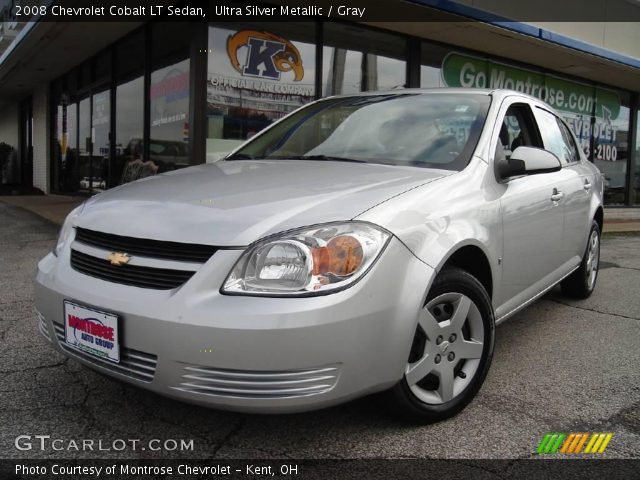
[532,220]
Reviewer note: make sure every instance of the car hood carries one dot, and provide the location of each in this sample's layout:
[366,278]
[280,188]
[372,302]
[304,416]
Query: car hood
[234,203]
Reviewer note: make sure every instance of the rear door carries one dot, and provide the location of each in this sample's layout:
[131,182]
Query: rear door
[575,186]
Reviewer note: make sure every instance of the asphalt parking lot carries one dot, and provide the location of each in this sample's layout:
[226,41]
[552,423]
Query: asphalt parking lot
[559,366]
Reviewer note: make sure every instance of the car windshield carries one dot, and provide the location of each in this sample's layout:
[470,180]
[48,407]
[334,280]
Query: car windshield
[438,130]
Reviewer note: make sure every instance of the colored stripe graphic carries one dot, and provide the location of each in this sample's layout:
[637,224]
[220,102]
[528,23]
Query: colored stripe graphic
[606,441]
[550,443]
[543,443]
[592,440]
[556,445]
[568,442]
[580,444]
[598,443]
[573,443]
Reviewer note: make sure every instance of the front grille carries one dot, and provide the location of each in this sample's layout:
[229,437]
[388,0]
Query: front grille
[133,363]
[143,277]
[258,384]
[181,252]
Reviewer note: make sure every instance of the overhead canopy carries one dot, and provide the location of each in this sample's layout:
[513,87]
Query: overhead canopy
[506,43]
[45,50]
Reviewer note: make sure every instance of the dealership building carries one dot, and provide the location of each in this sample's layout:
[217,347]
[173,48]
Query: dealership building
[87,106]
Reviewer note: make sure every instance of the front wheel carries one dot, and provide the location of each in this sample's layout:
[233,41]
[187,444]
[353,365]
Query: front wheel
[581,282]
[451,350]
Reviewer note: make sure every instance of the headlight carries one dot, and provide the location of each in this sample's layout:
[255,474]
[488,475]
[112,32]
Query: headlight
[310,261]
[67,228]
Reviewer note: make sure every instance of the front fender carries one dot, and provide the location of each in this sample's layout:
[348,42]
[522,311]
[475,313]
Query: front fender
[436,220]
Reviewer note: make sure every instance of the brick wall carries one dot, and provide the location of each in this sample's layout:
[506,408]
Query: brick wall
[41,147]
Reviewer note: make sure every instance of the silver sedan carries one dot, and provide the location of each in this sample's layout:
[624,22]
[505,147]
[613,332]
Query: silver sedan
[362,243]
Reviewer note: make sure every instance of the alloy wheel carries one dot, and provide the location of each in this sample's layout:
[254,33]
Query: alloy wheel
[593,258]
[447,348]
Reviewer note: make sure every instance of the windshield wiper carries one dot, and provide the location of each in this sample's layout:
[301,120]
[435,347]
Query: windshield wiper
[245,156]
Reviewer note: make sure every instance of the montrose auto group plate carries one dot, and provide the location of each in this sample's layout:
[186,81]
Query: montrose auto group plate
[91,331]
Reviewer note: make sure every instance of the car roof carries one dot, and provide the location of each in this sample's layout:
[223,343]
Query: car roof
[496,92]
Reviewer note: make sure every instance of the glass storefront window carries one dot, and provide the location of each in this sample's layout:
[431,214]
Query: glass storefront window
[431,57]
[636,180]
[84,156]
[129,163]
[72,128]
[610,146]
[255,76]
[70,170]
[66,152]
[430,77]
[357,60]
[83,170]
[100,127]
[169,97]
[610,155]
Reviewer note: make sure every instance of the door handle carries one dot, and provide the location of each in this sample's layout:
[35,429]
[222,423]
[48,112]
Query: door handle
[587,185]
[557,195]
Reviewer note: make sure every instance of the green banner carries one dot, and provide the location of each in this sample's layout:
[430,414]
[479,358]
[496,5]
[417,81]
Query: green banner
[467,71]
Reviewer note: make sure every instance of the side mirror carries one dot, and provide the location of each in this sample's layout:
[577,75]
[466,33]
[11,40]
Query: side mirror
[528,161]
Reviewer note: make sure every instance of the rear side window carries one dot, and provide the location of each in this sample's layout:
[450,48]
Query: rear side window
[553,138]
[569,141]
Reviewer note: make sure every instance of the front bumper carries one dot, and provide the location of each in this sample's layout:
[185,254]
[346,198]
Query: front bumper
[251,354]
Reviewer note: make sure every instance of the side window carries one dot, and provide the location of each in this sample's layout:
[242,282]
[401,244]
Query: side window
[574,155]
[552,136]
[517,129]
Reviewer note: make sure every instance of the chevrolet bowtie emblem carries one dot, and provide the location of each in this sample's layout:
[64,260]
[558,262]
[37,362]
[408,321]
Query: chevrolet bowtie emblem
[118,258]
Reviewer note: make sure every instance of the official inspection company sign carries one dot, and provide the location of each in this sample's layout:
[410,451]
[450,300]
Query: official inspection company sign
[268,55]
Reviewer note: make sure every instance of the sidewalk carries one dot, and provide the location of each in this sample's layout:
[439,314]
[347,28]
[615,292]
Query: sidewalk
[618,220]
[52,207]
[56,207]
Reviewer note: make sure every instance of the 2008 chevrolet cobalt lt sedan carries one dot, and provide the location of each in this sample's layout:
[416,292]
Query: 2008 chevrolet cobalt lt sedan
[362,243]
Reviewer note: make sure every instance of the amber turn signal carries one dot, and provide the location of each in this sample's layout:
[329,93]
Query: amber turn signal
[341,256]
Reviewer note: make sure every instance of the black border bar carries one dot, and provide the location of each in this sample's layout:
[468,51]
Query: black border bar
[504,11]
[531,468]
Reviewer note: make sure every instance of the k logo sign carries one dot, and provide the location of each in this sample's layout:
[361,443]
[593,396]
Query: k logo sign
[268,55]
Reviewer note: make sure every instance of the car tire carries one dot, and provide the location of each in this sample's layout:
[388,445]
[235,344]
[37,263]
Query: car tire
[459,348]
[581,283]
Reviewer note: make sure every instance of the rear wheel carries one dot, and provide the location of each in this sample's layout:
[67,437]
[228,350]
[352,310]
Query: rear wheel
[451,350]
[580,283]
